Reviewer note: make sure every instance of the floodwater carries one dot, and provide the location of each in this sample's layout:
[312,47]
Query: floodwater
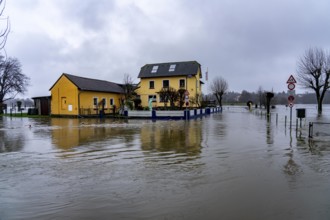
[230,165]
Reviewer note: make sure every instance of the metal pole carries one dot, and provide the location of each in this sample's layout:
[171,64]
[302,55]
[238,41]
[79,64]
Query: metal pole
[285,121]
[290,118]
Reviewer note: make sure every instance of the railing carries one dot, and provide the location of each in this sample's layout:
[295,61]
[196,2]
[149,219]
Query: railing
[319,129]
[95,111]
[179,114]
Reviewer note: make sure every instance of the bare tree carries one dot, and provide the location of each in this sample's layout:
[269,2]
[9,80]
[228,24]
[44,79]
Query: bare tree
[169,94]
[181,97]
[12,80]
[261,97]
[4,29]
[314,72]
[129,87]
[129,91]
[219,87]
[197,100]
[164,96]
[173,96]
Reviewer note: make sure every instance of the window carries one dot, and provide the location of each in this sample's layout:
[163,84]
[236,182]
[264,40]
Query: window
[172,68]
[182,83]
[166,83]
[95,101]
[153,97]
[154,69]
[112,101]
[151,84]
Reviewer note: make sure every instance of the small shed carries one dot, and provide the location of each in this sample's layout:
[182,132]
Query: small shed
[42,105]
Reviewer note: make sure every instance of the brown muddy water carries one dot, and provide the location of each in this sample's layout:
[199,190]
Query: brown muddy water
[230,165]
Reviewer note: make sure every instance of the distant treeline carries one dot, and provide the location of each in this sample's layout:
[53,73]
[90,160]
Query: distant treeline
[279,98]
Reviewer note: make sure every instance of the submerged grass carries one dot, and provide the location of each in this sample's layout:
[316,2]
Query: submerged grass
[25,115]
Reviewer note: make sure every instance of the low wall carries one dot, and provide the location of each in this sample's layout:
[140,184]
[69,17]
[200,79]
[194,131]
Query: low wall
[179,114]
[140,114]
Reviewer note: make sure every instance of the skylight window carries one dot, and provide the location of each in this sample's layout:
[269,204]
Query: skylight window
[172,68]
[154,69]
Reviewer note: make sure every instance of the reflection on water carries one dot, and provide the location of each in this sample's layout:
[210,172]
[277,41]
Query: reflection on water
[75,132]
[177,136]
[231,165]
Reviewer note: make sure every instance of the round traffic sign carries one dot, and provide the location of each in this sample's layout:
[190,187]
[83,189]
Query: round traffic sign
[290,104]
[291,86]
[291,98]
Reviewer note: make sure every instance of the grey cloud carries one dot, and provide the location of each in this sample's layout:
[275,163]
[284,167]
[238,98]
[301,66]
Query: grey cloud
[89,14]
[249,43]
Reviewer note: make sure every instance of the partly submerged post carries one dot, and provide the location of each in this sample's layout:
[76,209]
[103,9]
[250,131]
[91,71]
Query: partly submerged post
[269,96]
[310,130]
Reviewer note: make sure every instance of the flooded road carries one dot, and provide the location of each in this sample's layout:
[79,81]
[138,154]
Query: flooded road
[230,165]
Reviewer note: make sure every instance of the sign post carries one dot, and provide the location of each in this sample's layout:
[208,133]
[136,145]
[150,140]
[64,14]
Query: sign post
[186,100]
[291,86]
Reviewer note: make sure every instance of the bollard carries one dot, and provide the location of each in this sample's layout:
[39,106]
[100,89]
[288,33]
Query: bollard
[310,130]
[297,124]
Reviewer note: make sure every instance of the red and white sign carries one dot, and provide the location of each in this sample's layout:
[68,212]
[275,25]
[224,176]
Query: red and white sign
[186,93]
[291,80]
[291,98]
[291,86]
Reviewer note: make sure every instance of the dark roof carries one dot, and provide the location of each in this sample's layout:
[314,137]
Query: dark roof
[181,69]
[87,84]
[41,97]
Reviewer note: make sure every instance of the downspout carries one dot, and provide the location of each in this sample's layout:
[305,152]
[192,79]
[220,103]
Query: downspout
[79,104]
[196,97]
[59,102]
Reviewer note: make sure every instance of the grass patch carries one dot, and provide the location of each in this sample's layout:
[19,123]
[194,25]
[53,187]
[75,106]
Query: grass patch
[24,115]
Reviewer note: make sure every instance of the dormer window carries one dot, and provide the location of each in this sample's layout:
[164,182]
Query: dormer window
[172,68]
[154,69]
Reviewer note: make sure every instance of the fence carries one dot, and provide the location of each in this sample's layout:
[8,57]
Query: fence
[180,114]
[96,111]
[319,129]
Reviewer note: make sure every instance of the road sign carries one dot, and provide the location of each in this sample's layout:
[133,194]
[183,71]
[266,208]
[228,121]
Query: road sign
[291,80]
[290,104]
[291,98]
[291,92]
[291,86]
[186,93]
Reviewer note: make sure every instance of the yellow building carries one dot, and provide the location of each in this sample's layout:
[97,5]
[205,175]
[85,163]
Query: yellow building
[177,75]
[73,96]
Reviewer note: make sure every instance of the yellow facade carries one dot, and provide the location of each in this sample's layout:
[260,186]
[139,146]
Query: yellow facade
[87,102]
[64,97]
[67,99]
[192,84]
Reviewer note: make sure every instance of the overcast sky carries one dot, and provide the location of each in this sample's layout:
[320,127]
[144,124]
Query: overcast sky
[249,43]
